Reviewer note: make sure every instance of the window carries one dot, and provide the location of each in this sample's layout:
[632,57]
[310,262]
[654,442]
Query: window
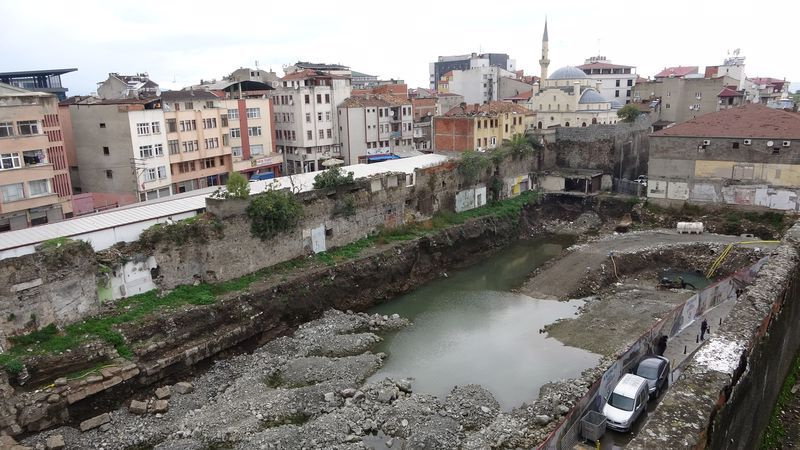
[150,174]
[188,105]
[628,93]
[327,98]
[319,116]
[9,161]
[156,127]
[39,187]
[257,149]
[158,150]
[330,133]
[735,145]
[254,131]
[233,113]
[209,163]
[618,83]
[146,151]
[319,98]
[307,99]
[174,149]
[211,143]
[106,151]
[6,129]
[172,125]
[162,172]
[226,140]
[109,174]
[308,117]
[28,127]
[616,93]
[190,146]
[236,151]
[327,116]
[236,132]
[223,120]
[210,123]
[630,82]
[12,192]
[321,134]
[253,113]
[209,103]
[309,134]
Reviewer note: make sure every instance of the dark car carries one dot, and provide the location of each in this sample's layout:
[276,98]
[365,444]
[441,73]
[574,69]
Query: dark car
[655,370]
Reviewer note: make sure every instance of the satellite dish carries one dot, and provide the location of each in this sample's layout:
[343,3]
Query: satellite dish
[770,143]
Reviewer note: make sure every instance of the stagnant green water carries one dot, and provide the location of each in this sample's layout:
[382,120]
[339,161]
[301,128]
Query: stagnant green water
[470,328]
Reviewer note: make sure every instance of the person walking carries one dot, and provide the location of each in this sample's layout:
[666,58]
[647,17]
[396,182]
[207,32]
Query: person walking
[661,346]
[703,329]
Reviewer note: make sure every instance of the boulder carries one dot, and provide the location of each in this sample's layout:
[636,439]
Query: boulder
[95,422]
[55,442]
[137,407]
[184,387]
[160,406]
[163,392]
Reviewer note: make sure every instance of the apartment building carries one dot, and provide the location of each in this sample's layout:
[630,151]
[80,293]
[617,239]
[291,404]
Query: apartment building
[684,98]
[121,148]
[34,176]
[306,119]
[446,64]
[480,127]
[617,80]
[478,84]
[252,152]
[373,127]
[118,86]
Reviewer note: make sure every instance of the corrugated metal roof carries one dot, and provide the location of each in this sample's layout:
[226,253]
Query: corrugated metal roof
[191,201]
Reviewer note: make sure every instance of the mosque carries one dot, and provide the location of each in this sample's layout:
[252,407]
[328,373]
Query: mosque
[568,98]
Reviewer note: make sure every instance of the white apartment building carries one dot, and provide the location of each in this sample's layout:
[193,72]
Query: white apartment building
[121,148]
[373,127]
[617,81]
[306,123]
[478,84]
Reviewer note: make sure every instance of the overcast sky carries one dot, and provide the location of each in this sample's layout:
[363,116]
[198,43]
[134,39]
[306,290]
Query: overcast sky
[178,42]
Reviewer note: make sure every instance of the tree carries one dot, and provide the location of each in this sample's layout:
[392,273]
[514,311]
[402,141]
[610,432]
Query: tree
[273,212]
[331,178]
[520,146]
[628,113]
[238,186]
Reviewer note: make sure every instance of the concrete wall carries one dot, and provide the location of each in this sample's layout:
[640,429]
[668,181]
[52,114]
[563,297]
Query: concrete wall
[725,396]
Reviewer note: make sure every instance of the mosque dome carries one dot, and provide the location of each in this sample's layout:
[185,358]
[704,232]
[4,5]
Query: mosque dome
[592,96]
[567,73]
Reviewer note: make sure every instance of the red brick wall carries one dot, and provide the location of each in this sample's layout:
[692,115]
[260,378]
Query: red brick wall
[453,134]
[423,106]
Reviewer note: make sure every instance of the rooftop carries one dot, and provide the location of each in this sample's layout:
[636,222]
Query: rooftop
[679,71]
[310,73]
[145,213]
[745,122]
[488,109]
[28,73]
[176,96]
[602,65]
[727,91]
[320,66]
[379,100]
[7,90]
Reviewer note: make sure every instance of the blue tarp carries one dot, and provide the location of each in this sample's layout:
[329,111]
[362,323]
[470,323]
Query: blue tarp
[263,176]
[378,158]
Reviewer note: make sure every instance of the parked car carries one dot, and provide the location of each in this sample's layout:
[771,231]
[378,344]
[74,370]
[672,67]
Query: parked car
[655,370]
[626,403]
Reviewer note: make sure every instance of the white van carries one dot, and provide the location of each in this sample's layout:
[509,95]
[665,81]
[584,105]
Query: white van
[626,403]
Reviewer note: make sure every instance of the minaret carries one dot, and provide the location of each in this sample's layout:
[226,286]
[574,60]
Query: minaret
[544,62]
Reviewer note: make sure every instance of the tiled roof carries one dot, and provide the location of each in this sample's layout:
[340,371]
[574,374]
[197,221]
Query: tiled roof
[748,121]
[488,109]
[727,91]
[679,71]
[523,96]
[378,100]
[599,65]
[766,80]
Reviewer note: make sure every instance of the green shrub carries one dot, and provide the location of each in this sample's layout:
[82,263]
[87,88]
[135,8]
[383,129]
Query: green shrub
[471,164]
[273,212]
[332,178]
[238,186]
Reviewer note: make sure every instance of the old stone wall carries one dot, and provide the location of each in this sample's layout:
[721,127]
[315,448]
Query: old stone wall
[725,395]
[621,150]
[34,293]
[54,285]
